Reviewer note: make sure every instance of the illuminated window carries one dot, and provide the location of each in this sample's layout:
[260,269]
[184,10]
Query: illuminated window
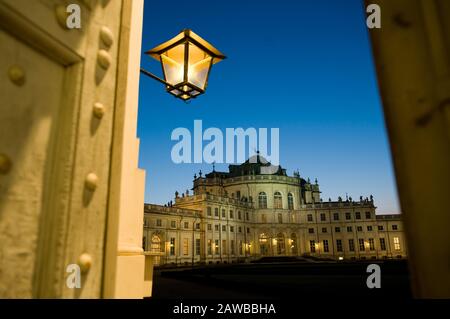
[185,246]
[262,200]
[172,246]
[216,246]
[396,243]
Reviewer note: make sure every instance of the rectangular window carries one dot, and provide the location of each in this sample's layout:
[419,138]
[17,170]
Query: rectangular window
[224,227]
[238,194]
[382,244]
[216,212]
[361,244]
[311,230]
[337,229]
[210,246]
[348,216]
[224,247]
[209,227]
[351,245]
[325,246]
[216,227]
[339,245]
[173,224]
[368,215]
[224,214]
[185,246]
[158,222]
[248,230]
[280,218]
[396,243]
[172,246]
[186,224]
[240,229]
[197,226]
[394,227]
[310,217]
[197,246]
[336,216]
[323,217]
[239,214]
[359,228]
[349,229]
[232,229]
[208,211]
[312,246]
[231,214]
[216,247]
[380,227]
[232,247]
[371,244]
[324,229]
[357,215]
[241,248]
[246,216]
[369,228]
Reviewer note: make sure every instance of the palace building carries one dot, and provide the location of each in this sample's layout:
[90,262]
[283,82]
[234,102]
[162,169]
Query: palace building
[256,210]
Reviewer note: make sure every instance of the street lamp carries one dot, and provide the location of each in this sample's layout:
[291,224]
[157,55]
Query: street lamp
[186,61]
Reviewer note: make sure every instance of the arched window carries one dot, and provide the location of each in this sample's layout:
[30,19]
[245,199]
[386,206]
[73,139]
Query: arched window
[262,200]
[280,244]
[156,244]
[290,201]
[277,200]
[263,244]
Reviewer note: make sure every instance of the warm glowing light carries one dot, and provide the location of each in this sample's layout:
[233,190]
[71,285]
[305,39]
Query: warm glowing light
[341,258]
[187,60]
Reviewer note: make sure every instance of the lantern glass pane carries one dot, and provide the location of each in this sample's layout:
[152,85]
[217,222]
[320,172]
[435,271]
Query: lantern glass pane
[173,64]
[199,65]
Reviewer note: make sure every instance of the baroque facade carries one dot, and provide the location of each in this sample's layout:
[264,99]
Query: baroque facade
[257,210]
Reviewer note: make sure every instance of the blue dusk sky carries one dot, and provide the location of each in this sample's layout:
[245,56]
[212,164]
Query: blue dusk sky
[302,66]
